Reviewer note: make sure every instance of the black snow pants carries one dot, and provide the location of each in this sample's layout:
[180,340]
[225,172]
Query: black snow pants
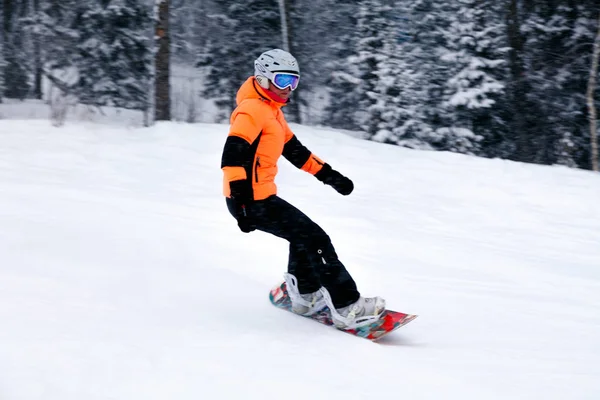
[312,259]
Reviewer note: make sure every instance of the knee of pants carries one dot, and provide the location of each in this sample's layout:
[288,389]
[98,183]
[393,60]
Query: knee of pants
[321,243]
[316,242]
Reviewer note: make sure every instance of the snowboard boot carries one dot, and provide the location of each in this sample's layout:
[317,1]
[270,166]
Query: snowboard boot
[363,312]
[303,304]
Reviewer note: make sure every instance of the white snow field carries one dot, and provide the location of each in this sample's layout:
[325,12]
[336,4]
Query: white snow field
[122,275]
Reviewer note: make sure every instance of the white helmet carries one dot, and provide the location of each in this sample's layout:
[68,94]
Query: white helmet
[272,61]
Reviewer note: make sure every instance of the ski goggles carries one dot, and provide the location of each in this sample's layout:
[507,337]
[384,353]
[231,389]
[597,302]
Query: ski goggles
[283,80]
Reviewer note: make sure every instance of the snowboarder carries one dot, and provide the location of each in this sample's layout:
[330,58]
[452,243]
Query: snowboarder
[258,136]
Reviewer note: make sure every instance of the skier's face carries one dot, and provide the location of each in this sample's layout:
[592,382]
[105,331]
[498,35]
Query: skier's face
[283,93]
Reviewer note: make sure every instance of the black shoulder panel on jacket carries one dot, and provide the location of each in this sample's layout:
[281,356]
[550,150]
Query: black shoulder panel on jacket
[296,152]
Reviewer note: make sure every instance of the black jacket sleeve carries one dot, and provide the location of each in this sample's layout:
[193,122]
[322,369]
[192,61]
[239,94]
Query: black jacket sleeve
[296,152]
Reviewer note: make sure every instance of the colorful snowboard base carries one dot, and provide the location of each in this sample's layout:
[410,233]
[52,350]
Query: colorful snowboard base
[389,321]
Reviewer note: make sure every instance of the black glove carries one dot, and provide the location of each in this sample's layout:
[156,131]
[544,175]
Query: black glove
[331,177]
[241,195]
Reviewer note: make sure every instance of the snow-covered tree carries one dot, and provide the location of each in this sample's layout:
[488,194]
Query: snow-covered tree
[189,29]
[421,34]
[341,111]
[564,84]
[2,69]
[113,54]
[474,44]
[400,96]
[373,27]
[51,24]
[399,106]
[427,22]
[242,30]
[341,72]
[16,82]
[591,101]
[98,50]
[549,63]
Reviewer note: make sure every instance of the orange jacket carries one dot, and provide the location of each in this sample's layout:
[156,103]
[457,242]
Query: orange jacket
[258,136]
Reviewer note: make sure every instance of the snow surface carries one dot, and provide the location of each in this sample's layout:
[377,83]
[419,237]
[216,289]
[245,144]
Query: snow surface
[122,276]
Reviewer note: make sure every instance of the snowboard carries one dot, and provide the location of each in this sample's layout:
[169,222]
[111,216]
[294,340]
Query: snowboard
[389,321]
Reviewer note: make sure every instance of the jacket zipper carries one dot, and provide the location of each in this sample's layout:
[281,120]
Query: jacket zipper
[256,169]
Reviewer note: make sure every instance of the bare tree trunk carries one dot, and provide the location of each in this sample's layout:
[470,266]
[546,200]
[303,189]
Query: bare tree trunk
[517,86]
[7,5]
[7,11]
[37,58]
[590,100]
[162,63]
[286,36]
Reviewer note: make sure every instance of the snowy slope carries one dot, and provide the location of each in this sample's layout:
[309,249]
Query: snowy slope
[122,276]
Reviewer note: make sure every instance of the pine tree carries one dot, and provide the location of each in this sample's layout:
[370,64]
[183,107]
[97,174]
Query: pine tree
[423,35]
[16,80]
[591,101]
[373,26]
[321,32]
[399,112]
[541,31]
[564,85]
[2,69]
[96,50]
[52,25]
[341,109]
[113,56]
[473,44]
[341,72]
[189,29]
[52,22]
[242,31]
[549,60]
[406,105]
[400,95]
[428,20]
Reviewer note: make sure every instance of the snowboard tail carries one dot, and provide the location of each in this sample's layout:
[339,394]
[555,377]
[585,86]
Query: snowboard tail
[390,320]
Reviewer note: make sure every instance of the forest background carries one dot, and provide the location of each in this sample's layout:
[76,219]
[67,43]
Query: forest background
[512,79]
